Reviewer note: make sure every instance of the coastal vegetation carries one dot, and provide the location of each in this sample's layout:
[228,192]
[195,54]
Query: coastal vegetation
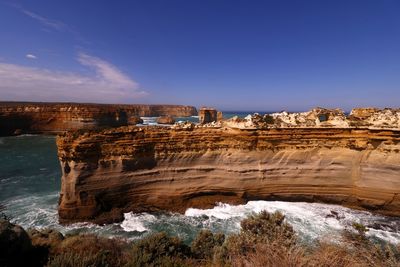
[265,239]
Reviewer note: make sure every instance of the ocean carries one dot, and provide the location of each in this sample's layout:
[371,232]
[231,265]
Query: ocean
[30,183]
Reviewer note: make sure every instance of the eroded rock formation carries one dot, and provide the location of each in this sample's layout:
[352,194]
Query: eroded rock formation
[320,117]
[165,120]
[16,118]
[140,169]
[208,115]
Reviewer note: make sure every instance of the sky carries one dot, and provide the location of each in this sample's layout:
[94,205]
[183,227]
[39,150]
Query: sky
[232,55]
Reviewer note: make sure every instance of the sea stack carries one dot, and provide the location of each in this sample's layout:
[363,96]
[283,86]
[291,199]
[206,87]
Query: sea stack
[208,115]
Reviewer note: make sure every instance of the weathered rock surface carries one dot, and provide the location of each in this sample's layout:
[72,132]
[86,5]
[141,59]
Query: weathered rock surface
[15,244]
[207,115]
[166,120]
[17,118]
[320,117]
[133,120]
[174,168]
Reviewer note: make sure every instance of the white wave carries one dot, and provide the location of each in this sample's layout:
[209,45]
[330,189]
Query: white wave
[25,135]
[136,222]
[196,117]
[149,120]
[392,237]
[311,220]
[34,211]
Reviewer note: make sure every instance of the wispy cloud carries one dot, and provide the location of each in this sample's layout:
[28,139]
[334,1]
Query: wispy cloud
[31,56]
[46,22]
[54,24]
[107,85]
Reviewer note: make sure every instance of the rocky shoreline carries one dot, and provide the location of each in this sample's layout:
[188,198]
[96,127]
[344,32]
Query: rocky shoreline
[321,156]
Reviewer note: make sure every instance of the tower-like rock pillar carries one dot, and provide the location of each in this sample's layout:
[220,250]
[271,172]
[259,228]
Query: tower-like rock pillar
[207,115]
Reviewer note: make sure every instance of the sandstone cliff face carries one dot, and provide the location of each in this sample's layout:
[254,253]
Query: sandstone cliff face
[158,168]
[57,117]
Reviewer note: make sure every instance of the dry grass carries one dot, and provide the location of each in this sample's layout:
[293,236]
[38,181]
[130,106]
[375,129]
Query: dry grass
[271,255]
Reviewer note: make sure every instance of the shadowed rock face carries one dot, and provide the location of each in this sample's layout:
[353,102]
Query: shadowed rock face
[158,168]
[16,118]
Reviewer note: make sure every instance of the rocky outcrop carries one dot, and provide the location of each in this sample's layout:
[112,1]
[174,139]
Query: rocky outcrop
[166,120]
[320,117]
[17,118]
[207,115]
[173,168]
[15,245]
[375,118]
[133,120]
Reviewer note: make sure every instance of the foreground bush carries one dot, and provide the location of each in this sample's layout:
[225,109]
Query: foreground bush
[89,250]
[205,243]
[159,250]
[265,240]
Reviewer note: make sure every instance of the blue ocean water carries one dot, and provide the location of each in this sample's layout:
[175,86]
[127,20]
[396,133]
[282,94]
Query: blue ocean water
[30,182]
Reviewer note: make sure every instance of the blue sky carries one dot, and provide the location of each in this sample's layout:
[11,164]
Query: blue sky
[234,55]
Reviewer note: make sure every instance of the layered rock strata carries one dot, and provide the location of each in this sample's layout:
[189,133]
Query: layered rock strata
[28,117]
[141,169]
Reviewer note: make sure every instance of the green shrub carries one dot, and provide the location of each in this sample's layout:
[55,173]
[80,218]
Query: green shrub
[267,227]
[259,232]
[80,259]
[91,249]
[360,228]
[204,244]
[159,249]
[262,228]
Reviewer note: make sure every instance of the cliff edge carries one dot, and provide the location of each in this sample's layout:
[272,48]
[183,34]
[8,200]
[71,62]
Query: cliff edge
[107,172]
[30,117]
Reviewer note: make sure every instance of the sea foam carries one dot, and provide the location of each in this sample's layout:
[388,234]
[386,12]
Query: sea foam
[136,222]
[310,220]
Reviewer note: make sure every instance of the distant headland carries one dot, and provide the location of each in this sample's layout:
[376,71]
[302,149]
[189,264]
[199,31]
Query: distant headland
[42,117]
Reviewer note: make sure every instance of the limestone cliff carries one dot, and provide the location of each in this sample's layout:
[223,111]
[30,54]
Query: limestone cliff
[27,117]
[137,169]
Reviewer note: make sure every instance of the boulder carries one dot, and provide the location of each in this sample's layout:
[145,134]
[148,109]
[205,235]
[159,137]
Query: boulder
[166,120]
[47,238]
[133,120]
[15,244]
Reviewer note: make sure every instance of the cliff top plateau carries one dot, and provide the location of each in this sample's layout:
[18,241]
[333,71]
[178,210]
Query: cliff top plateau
[318,117]
[322,156]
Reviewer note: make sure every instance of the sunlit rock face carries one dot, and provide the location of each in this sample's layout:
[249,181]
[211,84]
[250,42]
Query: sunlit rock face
[17,118]
[375,118]
[321,117]
[208,115]
[313,158]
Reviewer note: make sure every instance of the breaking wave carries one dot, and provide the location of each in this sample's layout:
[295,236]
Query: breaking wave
[29,187]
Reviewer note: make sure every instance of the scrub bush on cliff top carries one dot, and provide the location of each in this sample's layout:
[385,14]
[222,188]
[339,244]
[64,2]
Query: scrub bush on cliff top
[204,244]
[264,237]
[262,228]
[89,250]
[159,249]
